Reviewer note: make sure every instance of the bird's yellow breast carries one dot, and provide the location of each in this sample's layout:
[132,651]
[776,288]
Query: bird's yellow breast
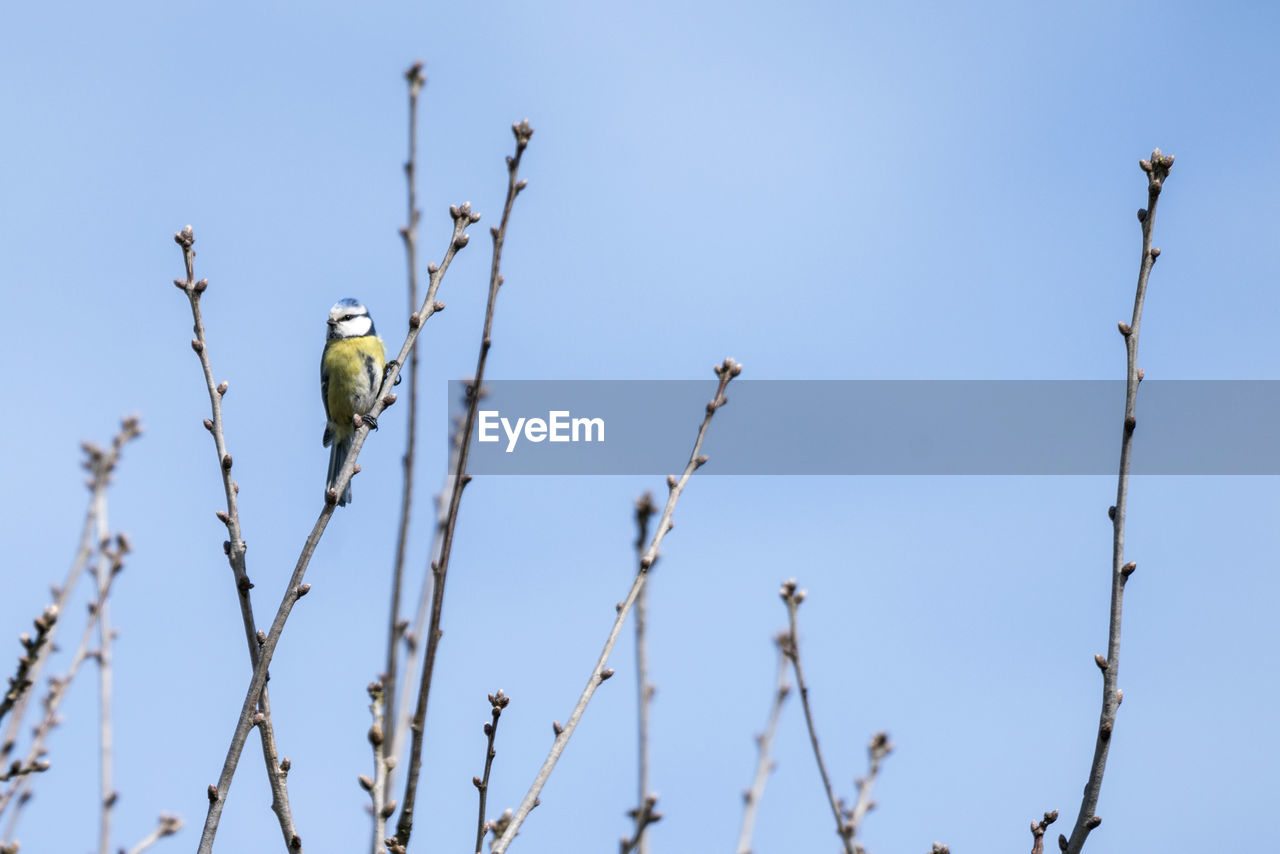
[351,373]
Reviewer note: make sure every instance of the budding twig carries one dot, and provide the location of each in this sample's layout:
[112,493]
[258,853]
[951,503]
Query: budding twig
[793,596]
[395,627]
[497,702]
[726,372]
[1157,170]
[100,463]
[167,825]
[644,690]
[764,745]
[440,566]
[234,546]
[642,816]
[107,566]
[462,218]
[58,686]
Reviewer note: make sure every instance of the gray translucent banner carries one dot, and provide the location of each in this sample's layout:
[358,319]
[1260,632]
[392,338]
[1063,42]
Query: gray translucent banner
[1001,427]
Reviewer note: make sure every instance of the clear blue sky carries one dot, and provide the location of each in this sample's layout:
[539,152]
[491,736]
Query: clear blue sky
[821,190]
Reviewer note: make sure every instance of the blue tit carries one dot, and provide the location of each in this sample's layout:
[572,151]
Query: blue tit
[351,370]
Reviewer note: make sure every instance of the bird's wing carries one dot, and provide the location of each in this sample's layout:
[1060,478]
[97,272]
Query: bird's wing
[324,397]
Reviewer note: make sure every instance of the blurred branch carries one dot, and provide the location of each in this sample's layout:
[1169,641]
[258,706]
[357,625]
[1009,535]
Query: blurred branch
[100,463]
[18,769]
[497,702]
[642,816]
[877,750]
[440,567]
[166,826]
[764,747]
[1037,831]
[114,557]
[1157,170]
[234,547]
[20,683]
[377,787]
[413,637]
[395,627]
[644,689]
[102,574]
[296,589]
[726,372]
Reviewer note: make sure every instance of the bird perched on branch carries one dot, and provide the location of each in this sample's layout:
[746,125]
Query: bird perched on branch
[351,371]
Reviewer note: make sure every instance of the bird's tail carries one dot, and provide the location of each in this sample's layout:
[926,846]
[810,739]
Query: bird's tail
[337,456]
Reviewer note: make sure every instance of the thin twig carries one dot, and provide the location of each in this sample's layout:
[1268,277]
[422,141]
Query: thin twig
[644,690]
[106,790]
[412,637]
[100,463]
[1157,170]
[395,626]
[462,217]
[726,372]
[18,769]
[166,826]
[234,546]
[20,683]
[58,685]
[497,702]
[641,817]
[377,787]
[791,648]
[764,746]
[877,750]
[1037,831]
[440,567]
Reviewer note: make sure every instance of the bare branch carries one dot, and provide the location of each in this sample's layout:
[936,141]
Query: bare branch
[166,826]
[877,750]
[103,573]
[377,787]
[497,702]
[21,682]
[644,689]
[413,636]
[764,747]
[726,371]
[101,463]
[1157,170]
[114,554]
[395,626]
[234,546]
[791,648]
[642,816]
[296,589]
[440,567]
[1037,831]
[18,769]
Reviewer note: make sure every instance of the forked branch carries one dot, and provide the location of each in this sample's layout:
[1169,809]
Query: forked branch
[296,589]
[234,546]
